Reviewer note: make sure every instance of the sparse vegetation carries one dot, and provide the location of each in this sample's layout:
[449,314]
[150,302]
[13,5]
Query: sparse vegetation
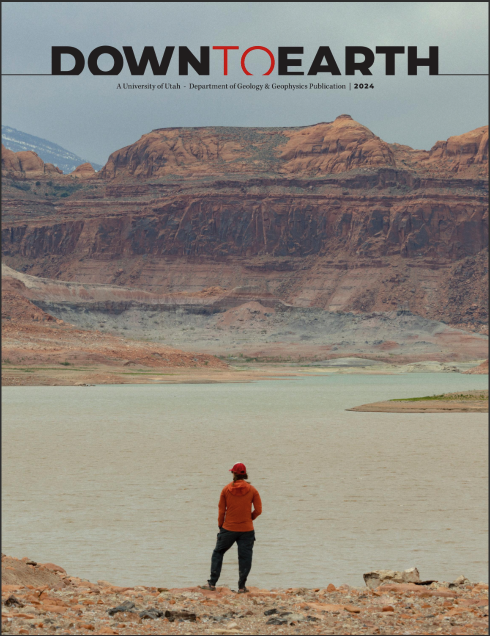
[445,397]
[21,186]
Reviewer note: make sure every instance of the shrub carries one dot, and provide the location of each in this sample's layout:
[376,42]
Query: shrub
[22,186]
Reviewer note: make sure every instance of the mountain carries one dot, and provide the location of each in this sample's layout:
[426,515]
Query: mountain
[327,148]
[326,218]
[49,152]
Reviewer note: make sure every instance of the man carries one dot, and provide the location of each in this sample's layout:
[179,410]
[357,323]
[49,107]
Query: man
[235,522]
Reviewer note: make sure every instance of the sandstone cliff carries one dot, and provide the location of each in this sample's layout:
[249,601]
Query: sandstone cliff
[326,148]
[325,216]
[26,165]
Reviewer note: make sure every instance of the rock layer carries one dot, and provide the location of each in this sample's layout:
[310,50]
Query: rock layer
[326,216]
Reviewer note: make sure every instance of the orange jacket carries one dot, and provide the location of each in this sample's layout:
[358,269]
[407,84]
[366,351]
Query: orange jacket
[235,506]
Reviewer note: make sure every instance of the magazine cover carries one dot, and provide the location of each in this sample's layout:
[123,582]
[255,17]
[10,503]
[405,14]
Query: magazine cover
[245,318]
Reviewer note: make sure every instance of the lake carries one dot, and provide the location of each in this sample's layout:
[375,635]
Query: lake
[121,482]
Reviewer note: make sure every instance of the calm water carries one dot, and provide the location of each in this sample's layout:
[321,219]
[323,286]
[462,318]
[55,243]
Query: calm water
[122,482]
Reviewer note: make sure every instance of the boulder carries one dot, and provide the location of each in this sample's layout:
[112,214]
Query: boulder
[377,577]
[83,171]
[461,580]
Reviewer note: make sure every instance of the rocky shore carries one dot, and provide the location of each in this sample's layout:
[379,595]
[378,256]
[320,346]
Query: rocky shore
[43,599]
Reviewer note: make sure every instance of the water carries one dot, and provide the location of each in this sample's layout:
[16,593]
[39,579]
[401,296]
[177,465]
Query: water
[122,482]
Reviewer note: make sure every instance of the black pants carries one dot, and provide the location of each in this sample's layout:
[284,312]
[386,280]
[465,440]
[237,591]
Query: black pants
[245,543]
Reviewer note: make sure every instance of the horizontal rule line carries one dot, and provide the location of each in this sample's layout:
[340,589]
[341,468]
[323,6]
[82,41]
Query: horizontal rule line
[63,74]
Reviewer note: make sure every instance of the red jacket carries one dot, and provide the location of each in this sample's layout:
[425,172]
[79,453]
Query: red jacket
[235,506]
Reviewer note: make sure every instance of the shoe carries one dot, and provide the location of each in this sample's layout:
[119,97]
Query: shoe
[208,586]
[242,590]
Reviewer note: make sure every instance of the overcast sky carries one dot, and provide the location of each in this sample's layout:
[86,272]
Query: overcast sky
[90,117]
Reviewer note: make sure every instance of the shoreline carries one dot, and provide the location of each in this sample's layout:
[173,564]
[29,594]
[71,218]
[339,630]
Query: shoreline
[43,598]
[236,371]
[467,402]
[91,376]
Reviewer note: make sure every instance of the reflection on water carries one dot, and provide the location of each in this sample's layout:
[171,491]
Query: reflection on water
[122,482]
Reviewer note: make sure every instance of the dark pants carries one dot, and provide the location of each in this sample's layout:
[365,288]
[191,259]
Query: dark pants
[245,543]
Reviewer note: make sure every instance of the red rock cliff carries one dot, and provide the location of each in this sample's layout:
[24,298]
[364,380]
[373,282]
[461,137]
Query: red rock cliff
[326,215]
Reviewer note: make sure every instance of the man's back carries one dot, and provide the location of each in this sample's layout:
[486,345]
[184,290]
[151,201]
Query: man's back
[235,506]
[235,521]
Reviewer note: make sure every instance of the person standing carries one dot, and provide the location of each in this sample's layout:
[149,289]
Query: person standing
[235,522]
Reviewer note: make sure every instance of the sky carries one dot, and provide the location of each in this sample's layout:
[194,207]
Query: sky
[89,116]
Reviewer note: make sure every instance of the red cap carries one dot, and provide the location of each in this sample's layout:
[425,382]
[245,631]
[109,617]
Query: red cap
[239,469]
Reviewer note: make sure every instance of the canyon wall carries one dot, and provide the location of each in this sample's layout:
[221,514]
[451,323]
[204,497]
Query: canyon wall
[326,216]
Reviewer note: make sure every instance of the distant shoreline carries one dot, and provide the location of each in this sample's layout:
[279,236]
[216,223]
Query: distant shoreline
[86,375]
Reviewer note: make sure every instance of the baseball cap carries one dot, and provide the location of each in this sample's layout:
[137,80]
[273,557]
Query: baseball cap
[238,468]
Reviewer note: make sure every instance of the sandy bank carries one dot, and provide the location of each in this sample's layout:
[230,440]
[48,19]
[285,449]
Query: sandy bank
[79,376]
[467,402]
[43,599]
[28,373]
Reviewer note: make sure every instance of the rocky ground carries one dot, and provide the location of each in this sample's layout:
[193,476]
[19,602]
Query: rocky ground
[481,369]
[43,599]
[31,336]
[256,331]
[56,332]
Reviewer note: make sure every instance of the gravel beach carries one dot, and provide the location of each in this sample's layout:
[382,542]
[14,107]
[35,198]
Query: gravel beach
[43,599]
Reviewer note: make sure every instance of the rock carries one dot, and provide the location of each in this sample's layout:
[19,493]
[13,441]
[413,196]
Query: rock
[276,620]
[325,607]
[353,609]
[124,607]
[151,612]
[461,580]
[183,615]
[84,171]
[52,567]
[377,577]
[26,165]
[331,587]
[127,617]
[21,615]
[13,601]
[270,612]
[86,626]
